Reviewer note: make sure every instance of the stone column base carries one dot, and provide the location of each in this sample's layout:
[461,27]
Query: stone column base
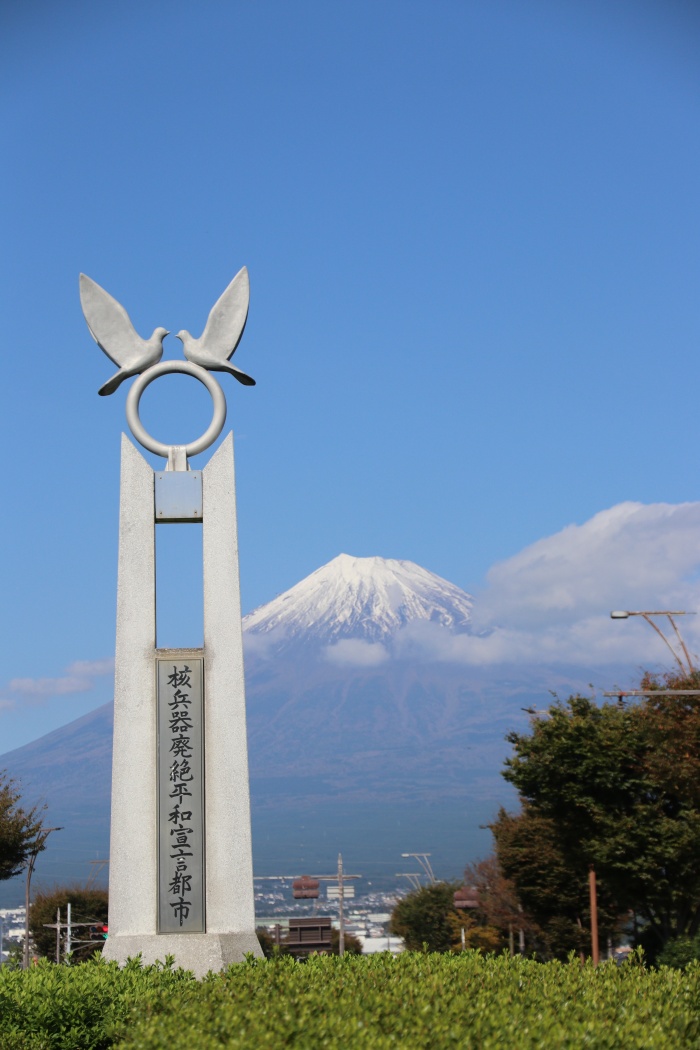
[199,952]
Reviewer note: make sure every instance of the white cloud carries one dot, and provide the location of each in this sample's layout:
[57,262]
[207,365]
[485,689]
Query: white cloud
[261,644]
[356,653]
[79,677]
[594,640]
[631,556]
[92,668]
[551,603]
[45,687]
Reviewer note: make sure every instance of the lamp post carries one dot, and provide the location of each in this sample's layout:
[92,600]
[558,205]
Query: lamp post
[412,876]
[424,861]
[624,614]
[36,850]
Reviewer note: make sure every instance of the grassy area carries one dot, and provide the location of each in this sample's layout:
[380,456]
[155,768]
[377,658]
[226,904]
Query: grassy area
[412,1000]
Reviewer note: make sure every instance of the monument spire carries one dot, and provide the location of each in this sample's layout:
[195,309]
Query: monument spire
[181,876]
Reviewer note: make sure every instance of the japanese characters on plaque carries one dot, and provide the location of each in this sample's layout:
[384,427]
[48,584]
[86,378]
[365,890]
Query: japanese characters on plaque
[180,794]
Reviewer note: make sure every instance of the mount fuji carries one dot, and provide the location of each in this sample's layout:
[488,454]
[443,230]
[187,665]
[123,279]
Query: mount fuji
[364,736]
[366,599]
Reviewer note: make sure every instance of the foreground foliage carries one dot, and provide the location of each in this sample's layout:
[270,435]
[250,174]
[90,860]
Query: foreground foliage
[417,1000]
[613,786]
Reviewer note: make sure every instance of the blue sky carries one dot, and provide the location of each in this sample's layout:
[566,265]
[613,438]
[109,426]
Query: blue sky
[472,231]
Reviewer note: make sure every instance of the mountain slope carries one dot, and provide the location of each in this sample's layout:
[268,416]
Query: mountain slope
[357,736]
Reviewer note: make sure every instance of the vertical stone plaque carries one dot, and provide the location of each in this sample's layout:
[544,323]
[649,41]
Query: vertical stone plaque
[181,885]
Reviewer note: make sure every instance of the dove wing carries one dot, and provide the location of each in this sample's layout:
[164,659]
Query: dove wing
[108,323]
[227,318]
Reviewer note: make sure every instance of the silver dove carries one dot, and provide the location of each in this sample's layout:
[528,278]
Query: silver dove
[223,331]
[112,330]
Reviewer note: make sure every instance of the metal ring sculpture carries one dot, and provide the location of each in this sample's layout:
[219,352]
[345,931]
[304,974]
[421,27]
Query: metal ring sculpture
[163,368]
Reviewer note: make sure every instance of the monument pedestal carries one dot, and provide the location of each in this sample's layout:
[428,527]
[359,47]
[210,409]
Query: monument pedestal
[199,952]
[180,854]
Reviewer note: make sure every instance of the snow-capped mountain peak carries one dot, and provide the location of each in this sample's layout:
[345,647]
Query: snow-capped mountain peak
[366,598]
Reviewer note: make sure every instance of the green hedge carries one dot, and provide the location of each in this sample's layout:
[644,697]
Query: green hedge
[413,1000]
[85,1006]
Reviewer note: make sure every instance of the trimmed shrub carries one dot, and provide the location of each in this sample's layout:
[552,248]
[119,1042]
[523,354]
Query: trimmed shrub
[422,1001]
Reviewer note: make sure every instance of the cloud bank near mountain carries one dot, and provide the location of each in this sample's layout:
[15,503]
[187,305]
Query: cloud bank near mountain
[631,556]
[547,605]
[355,652]
[551,602]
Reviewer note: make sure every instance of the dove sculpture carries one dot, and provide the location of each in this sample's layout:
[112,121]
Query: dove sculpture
[112,330]
[223,331]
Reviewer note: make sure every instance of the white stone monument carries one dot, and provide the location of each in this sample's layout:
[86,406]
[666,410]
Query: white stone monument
[181,876]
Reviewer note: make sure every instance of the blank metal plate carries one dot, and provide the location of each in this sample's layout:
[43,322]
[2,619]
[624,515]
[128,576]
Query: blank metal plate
[179,495]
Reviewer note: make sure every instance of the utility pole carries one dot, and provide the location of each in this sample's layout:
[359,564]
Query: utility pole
[69,926]
[341,877]
[594,914]
[69,945]
[96,867]
[36,850]
[341,914]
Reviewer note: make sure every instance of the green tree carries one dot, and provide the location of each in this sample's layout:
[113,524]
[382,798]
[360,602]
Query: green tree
[553,892]
[499,905]
[595,790]
[19,829]
[674,723]
[87,905]
[427,916]
[679,952]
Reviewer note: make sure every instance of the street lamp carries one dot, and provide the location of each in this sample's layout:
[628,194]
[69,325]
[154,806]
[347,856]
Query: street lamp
[412,876]
[624,614]
[423,860]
